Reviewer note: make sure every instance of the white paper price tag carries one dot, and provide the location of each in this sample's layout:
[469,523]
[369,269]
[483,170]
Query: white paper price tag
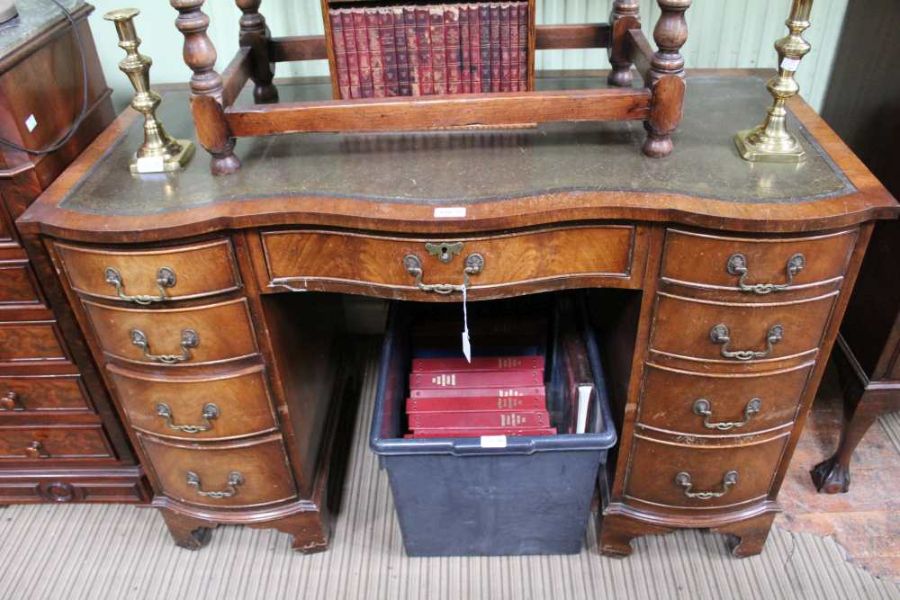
[450,212]
[493,441]
[466,341]
[151,164]
[31,123]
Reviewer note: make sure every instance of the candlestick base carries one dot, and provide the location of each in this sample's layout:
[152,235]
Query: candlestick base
[757,145]
[166,162]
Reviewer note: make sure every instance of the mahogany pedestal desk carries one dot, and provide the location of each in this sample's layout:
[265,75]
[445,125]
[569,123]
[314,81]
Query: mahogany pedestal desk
[210,301]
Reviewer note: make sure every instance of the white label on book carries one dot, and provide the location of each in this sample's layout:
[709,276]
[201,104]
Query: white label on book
[790,64]
[584,399]
[450,212]
[493,441]
[31,123]
[151,164]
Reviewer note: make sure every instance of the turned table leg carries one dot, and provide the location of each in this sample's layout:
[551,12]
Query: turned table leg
[667,78]
[255,35]
[625,15]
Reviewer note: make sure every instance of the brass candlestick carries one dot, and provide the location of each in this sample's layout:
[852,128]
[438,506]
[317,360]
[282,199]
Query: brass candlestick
[160,152]
[771,141]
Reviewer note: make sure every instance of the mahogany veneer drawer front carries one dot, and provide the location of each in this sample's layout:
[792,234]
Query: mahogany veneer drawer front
[148,276]
[720,403]
[222,475]
[43,443]
[701,477]
[181,336]
[756,265]
[30,340]
[735,332]
[42,393]
[306,259]
[17,285]
[201,408]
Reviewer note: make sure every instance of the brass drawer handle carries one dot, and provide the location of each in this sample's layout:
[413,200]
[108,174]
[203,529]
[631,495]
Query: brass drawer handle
[683,479]
[36,450]
[11,401]
[737,265]
[703,408]
[210,412]
[189,340]
[165,278]
[473,266]
[720,334]
[235,479]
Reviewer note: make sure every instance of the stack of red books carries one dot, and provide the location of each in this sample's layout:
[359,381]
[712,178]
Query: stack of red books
[498,395]
[431,49]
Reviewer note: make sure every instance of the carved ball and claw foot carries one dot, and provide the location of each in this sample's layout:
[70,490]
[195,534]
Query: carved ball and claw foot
[831,477]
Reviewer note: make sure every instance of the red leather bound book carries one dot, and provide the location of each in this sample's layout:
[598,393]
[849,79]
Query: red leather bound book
[438,53]
[423,38]
[412,50]
[389,52]
[414,405]
[507,392]
[352,53]
[505,50]
[376,57]
[522,46]
[475,379]
[366,84]
[475,47]
[514,48]
[452,50]
[340,52]
[484,16]
[496,55]
[465,51]
[479,420]
[479,363]
[403,81]
[465,433]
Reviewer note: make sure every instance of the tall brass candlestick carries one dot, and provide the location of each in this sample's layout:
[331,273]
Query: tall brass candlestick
[771,141]
[160,152]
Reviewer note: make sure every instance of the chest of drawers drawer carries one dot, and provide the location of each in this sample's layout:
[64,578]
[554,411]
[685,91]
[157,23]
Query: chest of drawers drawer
[168,337]
[736,332]
[30,341]
[222,475]
[42,394]
[206,408]
[17,284]
[41,443]
[755,266]
[720,404]
[700,477]
[307,259]
[149,276]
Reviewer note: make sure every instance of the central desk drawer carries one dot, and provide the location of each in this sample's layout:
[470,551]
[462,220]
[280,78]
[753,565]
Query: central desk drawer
[182,336]
[313,259]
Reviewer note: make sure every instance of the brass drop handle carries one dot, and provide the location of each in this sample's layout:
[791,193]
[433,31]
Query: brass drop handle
[165,278]
[36,450]
[737,265]
[189,340]
[683,479]
[210,412]
[703,408]
[720,334]
[473,266]
[235,480]
[11,401]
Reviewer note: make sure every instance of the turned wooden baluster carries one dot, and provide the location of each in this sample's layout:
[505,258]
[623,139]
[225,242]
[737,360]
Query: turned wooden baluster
[667,78]
[625,15]
[255,35]
[206,87]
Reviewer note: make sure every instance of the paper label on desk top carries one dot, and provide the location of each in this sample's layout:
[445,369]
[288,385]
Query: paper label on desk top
[493,441]
[450,212]
[150,164]
[790,64]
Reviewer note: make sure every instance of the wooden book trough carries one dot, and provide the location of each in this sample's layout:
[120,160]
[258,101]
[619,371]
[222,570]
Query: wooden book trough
[658,102]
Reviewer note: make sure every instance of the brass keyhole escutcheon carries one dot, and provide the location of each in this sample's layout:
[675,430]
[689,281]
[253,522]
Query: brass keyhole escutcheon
[444,251]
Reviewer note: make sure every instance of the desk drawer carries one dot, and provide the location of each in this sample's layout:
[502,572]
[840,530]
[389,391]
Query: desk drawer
[40,444]
[171,337]
[767,265]
[232,475]
[17,285]
[42,393]
[151,276]
[720,404]
[702,477]
[30,340]
[314,259]
[220,408]
[738,333]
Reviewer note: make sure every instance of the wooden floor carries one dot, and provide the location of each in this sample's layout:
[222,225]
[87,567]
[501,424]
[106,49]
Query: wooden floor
[122,552]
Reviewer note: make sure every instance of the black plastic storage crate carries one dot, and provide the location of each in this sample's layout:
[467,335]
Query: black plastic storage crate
[456,497]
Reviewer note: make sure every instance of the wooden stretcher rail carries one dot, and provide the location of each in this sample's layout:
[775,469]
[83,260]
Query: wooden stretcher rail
[641,53]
